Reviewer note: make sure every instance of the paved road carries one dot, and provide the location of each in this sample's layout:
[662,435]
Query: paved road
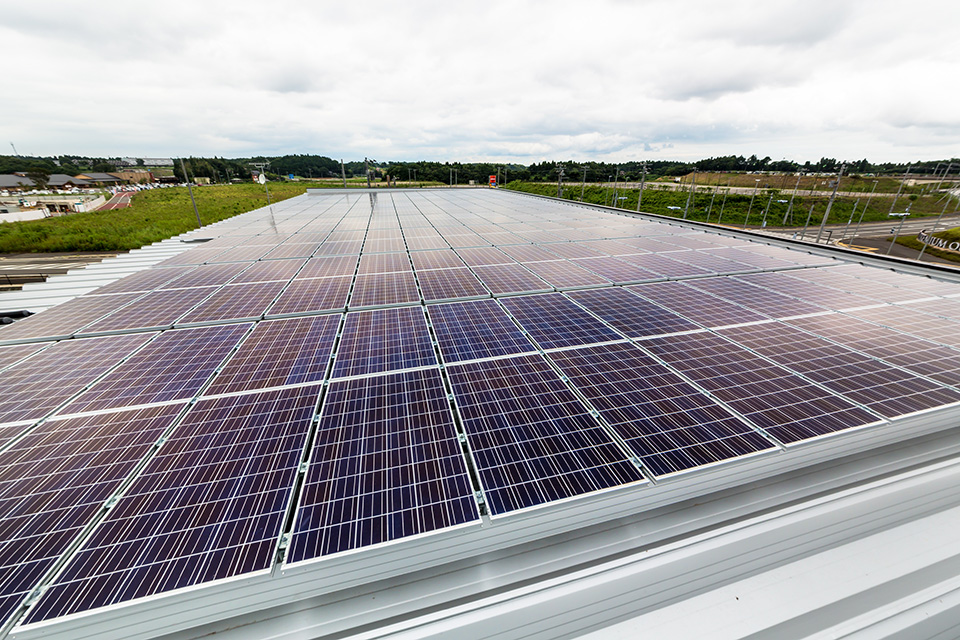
[119,201]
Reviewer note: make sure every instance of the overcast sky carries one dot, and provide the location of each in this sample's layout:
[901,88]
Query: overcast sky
[470,81]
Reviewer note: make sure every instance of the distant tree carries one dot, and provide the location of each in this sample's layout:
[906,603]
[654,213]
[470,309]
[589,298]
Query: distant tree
[140,162]
[40,178]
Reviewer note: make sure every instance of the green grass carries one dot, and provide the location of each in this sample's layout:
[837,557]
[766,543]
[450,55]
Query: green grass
[154,215]
[736,206]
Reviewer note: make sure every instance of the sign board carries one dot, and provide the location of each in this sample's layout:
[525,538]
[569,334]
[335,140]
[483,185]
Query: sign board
[493,181]
[262,179]
[290,175]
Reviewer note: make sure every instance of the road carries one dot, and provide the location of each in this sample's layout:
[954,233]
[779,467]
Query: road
[120,200]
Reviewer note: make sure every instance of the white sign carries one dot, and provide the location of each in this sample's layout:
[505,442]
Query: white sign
[262,178]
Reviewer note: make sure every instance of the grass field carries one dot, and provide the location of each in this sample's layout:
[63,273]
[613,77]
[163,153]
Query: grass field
[950,235]
[154,215]
[733,209]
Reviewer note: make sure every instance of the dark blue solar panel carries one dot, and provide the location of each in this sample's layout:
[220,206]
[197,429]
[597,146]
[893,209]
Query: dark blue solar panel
[210,505]
[666,422]
[384,340]
[386,464]
[630,314]
[555,321]
[279,352]
[787,406]
[481,329]
[384,289]
[172,367]
[867,381]
[533,442]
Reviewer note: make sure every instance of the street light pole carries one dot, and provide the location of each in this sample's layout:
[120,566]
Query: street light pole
[936,225]
[790,206]
[186,179]
[826,214]
[693,189]
[864,210]
[750,208]
[643,177]
[583,184]
[903,218]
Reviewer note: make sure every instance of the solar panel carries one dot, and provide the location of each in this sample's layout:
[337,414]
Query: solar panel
[384,340]
[510,278]
[313,295]
[279,352]
[916,323]
[236,302]
[290,250]
[565,274]
[384,289]
[65,319]
[145,280]
[788,407]
[242,254]
[386,464]
[38,385]
[837,279]
[441,259]
[450,284]
[867,381]
[383,263]
[207,275]
[572,250]
[809,291]
[269,270]
[695,305]
[483,256]
[56,479]
[555,321]
[527,253]
[471,330]
[325,267]
[196,255]
[348,248]
[157,310]
[13,354]
[664,421]
[172,367]
[754,298]
[209,505]
[616,270]
[914,354]
[665,266]
[629,314]
[532,441]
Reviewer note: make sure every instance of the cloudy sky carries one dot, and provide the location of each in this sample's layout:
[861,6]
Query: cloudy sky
[469,81]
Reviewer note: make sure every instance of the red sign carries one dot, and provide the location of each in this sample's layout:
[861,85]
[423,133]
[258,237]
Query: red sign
[493,181]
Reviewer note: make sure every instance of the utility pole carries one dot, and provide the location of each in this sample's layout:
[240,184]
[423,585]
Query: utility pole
[756,185]
[850,221]
[723,202]
[763,224]
[190,189]
[343,172]
[693,189]
[790,206]
[366,164]
[583,184]
[616,177]
[903,218]
[899,191]
[946,171]
[560,181]
[864,210]
[809,215]
[643,176]
[826,214]
[936,226]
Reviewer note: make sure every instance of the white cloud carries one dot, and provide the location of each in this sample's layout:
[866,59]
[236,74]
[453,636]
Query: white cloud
[520,81]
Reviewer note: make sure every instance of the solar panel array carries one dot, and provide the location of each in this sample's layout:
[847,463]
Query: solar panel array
[347,370]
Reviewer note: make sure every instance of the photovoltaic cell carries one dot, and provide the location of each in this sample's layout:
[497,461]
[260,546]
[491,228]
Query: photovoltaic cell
[510,278]
[313,294]
[913,322]
[572,250]
[527,253]
[55,479]
[695,305]
[441,259]
[279,352]
[665,421]
[290,250]
[65,319]
[450,284]
[563,274]
[383,263]
[207,275]
[665,266]
[616,270]
[554,321]
[325,267]
[269,270]
[145,280]
[629,314]
[12,354]
[471,330]
[158,309]
[242,254]
[787,406]
[36,386]
[236,302]
[809,291]
[384,289]
[483,256]
[384,340]
[210,505]
[533,442]
[889,391]
[172,367]
[386,464]
[754,298]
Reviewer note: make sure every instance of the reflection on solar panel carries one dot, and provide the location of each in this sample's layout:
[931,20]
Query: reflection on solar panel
[269,270]
[809,291]
[616,270]
[312,295]
[888,391]
[12,354]
[208,506]
[919,356]
[666,422]
[236,302]
[383,263]
[147,280]
[386,464]
[36,386]
[532,440]
[483,256]
[916,323]
[65,319]
[785,405]
[442,259]
[695,305]
[158,310]
[510,278]
[290,250]
[279,352]
[753,298]
[564,274]
[56,479]
[207,275]
[664,265]
[629,314]
[554,321]
[450,284]
[384,340]
[324,267]
[172,367]
[481,329]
